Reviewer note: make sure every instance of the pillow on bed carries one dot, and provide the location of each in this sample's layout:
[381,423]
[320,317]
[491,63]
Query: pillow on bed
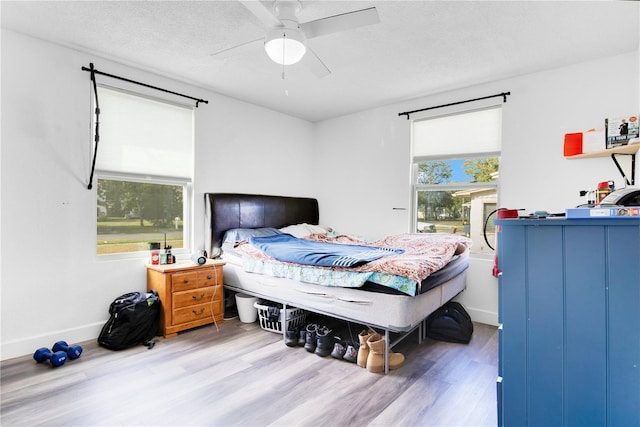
[303,230]
[235,235]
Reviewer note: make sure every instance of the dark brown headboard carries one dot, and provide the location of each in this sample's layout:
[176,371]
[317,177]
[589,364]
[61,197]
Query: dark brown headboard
[224,211]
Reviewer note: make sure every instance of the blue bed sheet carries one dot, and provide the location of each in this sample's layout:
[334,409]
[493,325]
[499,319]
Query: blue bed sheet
[287,248]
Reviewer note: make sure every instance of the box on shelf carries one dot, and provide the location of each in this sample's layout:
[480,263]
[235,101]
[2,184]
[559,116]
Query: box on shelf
[592,140]
[621,131]
[572,144]
[604,212]
[267,312]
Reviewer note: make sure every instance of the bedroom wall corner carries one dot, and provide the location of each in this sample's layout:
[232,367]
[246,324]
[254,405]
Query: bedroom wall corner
[52,284]
[481,293]
[243,148]
[534,175]
[361,175]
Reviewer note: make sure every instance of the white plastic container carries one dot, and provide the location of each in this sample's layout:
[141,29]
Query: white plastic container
[246,311]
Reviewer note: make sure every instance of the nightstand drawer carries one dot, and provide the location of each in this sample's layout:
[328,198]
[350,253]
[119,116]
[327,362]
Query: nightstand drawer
[192,313]
[197,296]
[184,281]
[209,277]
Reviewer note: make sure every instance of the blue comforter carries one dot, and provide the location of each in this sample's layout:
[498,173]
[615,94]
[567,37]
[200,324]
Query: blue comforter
[286,248]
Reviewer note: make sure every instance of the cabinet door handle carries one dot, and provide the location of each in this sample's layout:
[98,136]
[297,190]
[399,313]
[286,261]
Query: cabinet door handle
[198,312]
[198,298]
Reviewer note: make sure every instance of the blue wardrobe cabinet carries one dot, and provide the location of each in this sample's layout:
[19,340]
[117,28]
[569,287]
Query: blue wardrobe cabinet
[569,315]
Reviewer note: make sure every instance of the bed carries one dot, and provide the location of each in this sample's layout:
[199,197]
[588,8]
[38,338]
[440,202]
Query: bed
[382,309]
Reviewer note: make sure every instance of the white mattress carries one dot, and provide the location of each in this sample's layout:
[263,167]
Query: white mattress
[392,312]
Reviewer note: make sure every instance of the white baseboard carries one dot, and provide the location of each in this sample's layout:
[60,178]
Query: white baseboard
[483,316]
[28,345]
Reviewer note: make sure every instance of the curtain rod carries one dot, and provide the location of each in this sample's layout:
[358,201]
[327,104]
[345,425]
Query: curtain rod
[95,71]
[503,95]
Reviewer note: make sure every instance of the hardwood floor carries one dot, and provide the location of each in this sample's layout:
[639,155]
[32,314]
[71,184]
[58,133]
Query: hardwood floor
[241,375]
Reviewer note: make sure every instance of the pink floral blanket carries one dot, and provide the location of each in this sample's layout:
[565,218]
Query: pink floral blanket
[424,253]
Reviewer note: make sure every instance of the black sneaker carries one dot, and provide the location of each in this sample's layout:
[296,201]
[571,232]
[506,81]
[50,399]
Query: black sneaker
[302,337]
[325,341]
[291,338]
[311,337]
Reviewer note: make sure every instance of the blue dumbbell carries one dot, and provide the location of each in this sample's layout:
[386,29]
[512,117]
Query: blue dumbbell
[56,358]
[73,351]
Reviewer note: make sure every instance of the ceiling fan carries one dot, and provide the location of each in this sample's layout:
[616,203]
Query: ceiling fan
[285,40]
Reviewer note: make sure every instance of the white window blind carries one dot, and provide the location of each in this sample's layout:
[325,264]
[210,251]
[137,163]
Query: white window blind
[471,133]
[144,136]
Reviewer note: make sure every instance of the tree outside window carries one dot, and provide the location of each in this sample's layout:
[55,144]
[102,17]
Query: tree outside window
[450,200]
[138,213]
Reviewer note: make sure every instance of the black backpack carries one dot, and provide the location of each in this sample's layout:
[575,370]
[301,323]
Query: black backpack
[134,320]
[450,323]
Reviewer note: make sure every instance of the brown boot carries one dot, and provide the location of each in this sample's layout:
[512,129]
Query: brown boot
[363,350]
[375,360]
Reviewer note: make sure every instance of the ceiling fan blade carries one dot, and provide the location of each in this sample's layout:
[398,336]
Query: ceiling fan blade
[342,22]
[315,64]
[262,13]
[238,50]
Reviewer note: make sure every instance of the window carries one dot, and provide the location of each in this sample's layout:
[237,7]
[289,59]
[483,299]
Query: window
[144,170]
[456,161]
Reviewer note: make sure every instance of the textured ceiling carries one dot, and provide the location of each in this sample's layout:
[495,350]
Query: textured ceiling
[419,47]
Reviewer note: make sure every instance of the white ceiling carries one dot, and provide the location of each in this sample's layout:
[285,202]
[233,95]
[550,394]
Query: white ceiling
[419,47]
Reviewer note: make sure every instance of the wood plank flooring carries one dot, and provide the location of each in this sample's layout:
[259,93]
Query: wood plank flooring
[241,375]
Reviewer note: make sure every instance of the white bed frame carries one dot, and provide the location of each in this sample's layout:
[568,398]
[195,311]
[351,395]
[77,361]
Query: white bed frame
[400,314]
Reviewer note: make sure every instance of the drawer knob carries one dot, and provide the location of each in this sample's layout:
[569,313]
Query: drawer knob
[186,280]
[198,312]
[209,277]
[198,298]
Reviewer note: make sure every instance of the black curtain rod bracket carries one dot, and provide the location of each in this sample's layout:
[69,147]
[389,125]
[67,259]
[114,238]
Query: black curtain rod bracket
[503,95]
[94,71]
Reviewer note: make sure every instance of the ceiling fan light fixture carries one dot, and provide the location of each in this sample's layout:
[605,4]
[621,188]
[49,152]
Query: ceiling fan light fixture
[285,46]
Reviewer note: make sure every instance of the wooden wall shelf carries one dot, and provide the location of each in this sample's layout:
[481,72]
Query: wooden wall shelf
[624,149]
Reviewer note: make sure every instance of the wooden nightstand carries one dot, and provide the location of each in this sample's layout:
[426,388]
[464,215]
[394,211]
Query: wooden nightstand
[191,294]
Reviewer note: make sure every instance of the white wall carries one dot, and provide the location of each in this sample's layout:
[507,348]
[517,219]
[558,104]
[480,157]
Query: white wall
[369,154]
[53,285]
